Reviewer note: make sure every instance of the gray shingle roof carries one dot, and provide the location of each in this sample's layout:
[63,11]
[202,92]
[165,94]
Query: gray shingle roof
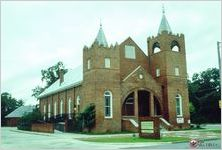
[19,112]
[72,78]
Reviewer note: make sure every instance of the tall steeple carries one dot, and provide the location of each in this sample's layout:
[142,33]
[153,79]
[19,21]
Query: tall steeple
[100,38]
[164,25]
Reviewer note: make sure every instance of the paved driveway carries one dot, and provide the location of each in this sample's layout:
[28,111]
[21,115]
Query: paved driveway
[11,138]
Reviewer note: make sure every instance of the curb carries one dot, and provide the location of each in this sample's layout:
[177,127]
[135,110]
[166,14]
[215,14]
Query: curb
[30,132]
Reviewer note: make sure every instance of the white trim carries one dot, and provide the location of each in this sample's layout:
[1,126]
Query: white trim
[44,111]
[111,105]
[131,73]
[181,108]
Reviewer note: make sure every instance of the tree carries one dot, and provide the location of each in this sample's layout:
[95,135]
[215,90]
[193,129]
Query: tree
[49,76]
[204,94]
[8,104]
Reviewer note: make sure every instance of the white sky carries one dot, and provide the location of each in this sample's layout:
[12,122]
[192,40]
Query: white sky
[36,35]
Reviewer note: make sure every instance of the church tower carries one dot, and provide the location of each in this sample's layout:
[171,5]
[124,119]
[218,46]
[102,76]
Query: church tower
[167,60]
[101,82]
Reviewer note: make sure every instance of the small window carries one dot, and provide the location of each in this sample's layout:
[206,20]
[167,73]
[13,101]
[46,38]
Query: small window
[49,110]
[130,52]
[107,62]
[108,104]
[89,64]
[179,105]
[177,72]
[156,47]
[157,72]
[175,46]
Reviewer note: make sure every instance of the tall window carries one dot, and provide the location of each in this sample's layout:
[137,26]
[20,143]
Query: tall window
[78,103]
[179,105]
[49,111]
[108,104]
[44,111]
[61,107]
[130,52]
[69,108]
[107,62]
[55,109]
[88,63]
[177,72]
[157,72]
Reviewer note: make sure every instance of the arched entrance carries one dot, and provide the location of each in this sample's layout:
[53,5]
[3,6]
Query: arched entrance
[141,103]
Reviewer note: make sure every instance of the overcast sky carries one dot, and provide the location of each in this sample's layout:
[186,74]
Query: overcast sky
[36,35]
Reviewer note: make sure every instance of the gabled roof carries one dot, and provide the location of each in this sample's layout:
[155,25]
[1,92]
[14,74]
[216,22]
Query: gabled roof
[72,78]
[19,112]
[100,38]
[164,25]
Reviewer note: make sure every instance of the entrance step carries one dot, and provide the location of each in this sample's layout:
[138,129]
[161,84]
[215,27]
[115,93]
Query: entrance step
[130,124]
[165,124]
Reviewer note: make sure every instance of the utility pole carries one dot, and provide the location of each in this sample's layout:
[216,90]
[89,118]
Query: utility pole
[219,57]
[219,61]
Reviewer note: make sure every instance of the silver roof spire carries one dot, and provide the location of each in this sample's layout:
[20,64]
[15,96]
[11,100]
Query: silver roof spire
[100,38]
[164,25]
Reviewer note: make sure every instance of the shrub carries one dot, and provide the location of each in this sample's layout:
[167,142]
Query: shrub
[25,123]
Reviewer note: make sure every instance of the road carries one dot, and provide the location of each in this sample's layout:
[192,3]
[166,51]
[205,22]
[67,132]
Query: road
[11,138]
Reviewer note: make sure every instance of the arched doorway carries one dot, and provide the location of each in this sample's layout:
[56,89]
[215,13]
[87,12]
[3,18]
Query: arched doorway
[141,103]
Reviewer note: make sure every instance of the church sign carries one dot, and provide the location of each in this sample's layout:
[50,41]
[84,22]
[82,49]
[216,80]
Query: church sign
[149,127]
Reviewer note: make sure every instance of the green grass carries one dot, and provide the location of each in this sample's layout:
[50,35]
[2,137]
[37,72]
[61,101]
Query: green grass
[134,139]
[214,131]
[104,133]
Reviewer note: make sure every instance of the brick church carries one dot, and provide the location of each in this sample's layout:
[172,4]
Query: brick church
[124,83]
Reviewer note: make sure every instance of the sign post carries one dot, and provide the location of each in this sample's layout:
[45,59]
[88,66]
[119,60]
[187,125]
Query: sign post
[149,127]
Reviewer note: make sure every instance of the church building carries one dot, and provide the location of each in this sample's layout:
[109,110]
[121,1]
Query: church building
[124,83]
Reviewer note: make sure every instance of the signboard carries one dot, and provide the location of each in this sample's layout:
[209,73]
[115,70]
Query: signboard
[180,120]
[149,127]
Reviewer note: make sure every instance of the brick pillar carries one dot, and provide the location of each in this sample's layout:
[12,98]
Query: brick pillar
[151,102]
[136,103]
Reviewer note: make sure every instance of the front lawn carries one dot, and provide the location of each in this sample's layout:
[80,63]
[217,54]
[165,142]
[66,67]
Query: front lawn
[134,139]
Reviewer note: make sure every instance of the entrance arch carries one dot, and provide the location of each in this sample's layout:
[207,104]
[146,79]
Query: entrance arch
[141,103]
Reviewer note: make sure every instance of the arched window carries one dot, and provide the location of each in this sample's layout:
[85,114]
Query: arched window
[61,107]
[69,108]
[44,111]
[49,111]
[179,105]
[175,46]
[108,104]
[156,47]
[78,103]
[128,106]
[55,109]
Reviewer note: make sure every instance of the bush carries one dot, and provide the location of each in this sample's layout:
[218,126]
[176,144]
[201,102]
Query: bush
[86,119]
[25,123]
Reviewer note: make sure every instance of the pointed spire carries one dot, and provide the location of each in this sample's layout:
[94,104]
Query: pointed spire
[164,25]
[100,38]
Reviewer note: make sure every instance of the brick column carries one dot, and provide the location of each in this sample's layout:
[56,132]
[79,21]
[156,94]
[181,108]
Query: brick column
[151,102]
[136,103]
